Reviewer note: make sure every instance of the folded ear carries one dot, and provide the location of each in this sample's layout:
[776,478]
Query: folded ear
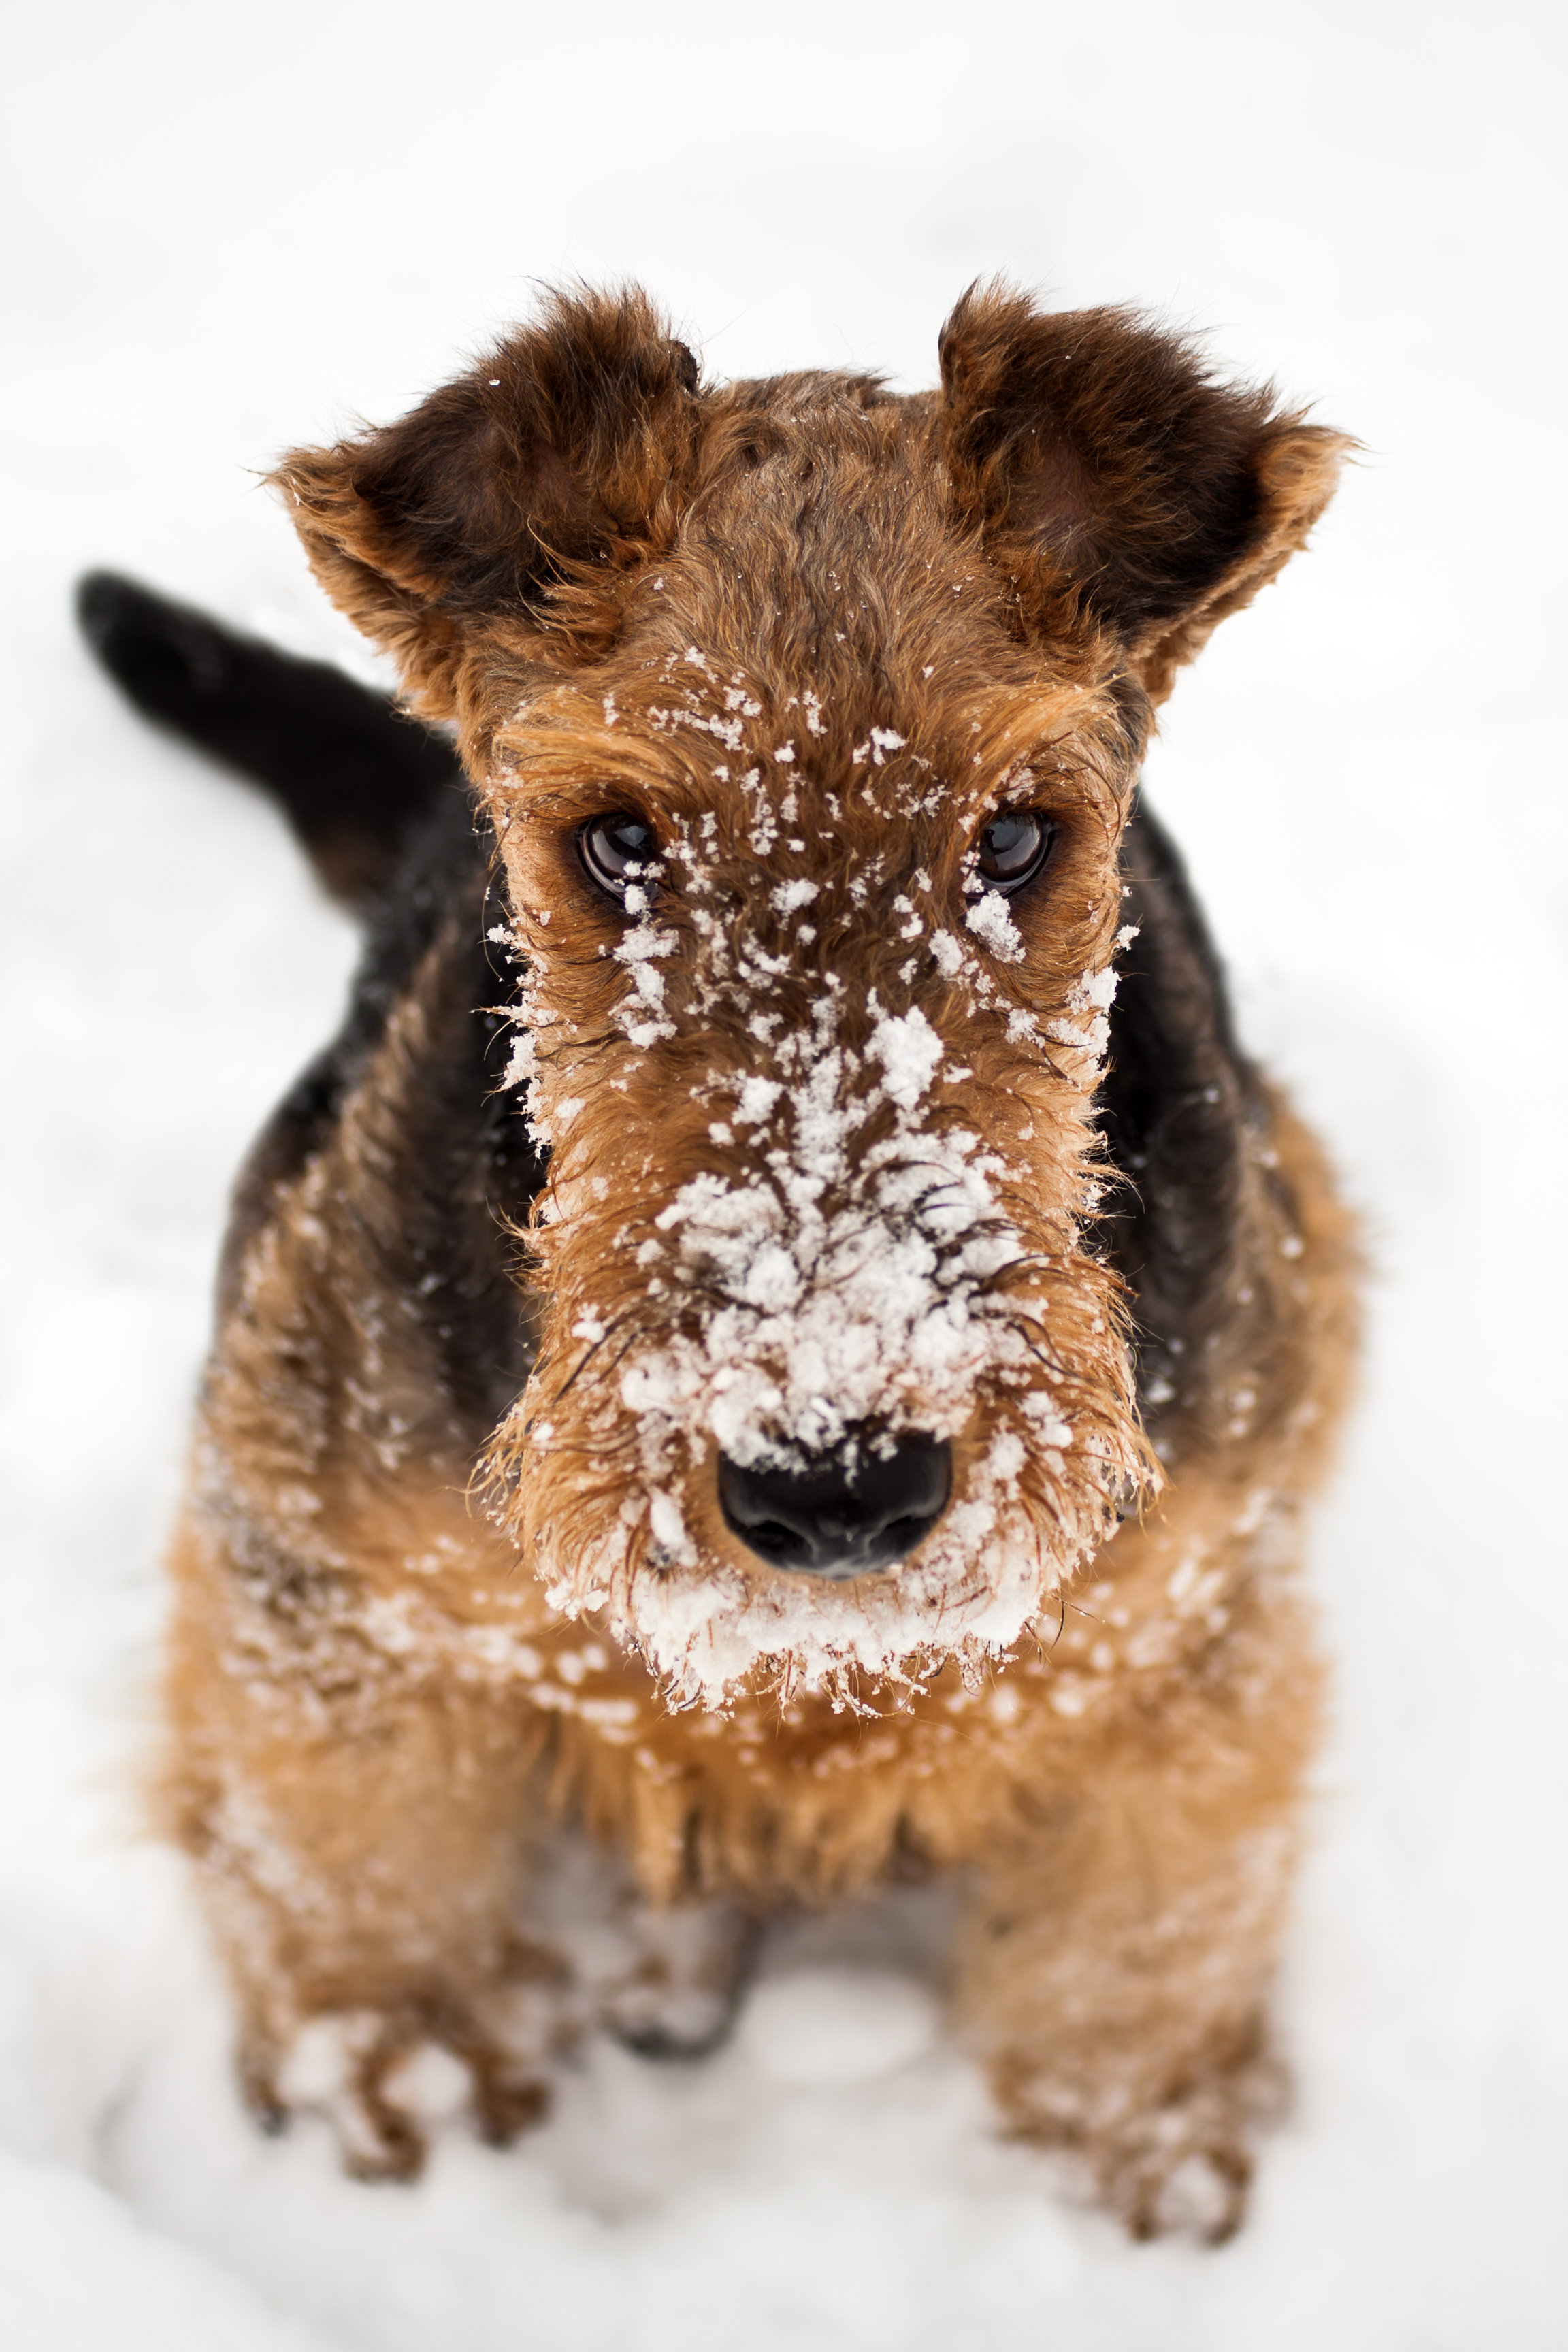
[564,449]
[1110,472]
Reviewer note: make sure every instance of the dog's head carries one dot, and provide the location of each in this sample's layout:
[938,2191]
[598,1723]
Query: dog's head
[809,720]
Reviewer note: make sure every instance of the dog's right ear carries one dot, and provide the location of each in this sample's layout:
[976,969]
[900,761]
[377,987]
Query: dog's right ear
[566,448]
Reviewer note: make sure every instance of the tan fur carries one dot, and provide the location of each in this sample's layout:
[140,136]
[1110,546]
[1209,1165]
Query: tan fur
[386,1696]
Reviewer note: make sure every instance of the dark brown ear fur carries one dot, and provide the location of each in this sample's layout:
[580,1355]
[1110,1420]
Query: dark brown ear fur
[1115,479]
[562,448]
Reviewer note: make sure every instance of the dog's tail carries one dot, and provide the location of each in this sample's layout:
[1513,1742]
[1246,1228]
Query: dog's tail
[351,773]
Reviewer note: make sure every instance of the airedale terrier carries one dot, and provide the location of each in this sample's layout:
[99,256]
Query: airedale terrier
[796,1341]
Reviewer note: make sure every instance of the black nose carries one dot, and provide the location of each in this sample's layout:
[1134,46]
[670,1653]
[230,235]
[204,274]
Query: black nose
[844,1513]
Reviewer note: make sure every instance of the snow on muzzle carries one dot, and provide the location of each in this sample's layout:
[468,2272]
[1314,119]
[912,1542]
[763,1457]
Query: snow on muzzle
[832,1327]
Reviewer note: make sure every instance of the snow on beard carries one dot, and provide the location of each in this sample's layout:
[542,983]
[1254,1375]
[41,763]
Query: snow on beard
[818,1115]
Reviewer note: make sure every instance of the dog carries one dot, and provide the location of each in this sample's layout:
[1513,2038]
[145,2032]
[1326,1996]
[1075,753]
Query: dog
[785,1332]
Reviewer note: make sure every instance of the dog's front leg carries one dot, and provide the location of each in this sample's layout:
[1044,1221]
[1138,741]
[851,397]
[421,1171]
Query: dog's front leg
[363,1850]
[1115,1970]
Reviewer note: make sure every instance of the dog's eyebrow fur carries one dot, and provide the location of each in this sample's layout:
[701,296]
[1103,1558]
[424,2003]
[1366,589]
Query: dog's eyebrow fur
[808,1369]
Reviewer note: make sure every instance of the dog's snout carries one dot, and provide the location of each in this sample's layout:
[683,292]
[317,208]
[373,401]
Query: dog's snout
[846,1514]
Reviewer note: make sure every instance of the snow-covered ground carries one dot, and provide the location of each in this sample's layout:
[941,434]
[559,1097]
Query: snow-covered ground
[232,229]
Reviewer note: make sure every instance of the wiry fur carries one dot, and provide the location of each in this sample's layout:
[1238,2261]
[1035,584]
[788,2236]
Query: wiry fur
[821,1141]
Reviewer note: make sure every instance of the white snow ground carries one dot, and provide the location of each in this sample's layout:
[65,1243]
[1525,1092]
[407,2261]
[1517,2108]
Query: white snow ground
[231,229]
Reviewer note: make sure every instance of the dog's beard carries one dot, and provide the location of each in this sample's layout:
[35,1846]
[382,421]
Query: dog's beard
[968,1594]
[1046,1452]
[838,1286]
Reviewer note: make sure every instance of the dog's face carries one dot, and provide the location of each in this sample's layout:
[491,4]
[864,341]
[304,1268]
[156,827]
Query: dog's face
[815,879]
[808,745]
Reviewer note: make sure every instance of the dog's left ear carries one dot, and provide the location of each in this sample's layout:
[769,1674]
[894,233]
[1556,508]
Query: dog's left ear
[566,448]
[1110,471]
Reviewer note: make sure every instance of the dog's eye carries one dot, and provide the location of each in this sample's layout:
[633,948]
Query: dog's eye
[615,850]
[1012,849]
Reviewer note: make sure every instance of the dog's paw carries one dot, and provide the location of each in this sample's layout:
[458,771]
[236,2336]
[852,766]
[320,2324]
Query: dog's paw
[1186,2172]
[676,1994]
[385,2079]
[1179,2166]
[366,2074]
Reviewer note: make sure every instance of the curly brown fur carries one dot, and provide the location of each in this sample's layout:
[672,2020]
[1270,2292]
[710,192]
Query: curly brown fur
[830,1148]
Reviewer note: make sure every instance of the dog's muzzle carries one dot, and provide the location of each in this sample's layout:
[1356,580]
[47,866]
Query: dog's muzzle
[841,1514]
